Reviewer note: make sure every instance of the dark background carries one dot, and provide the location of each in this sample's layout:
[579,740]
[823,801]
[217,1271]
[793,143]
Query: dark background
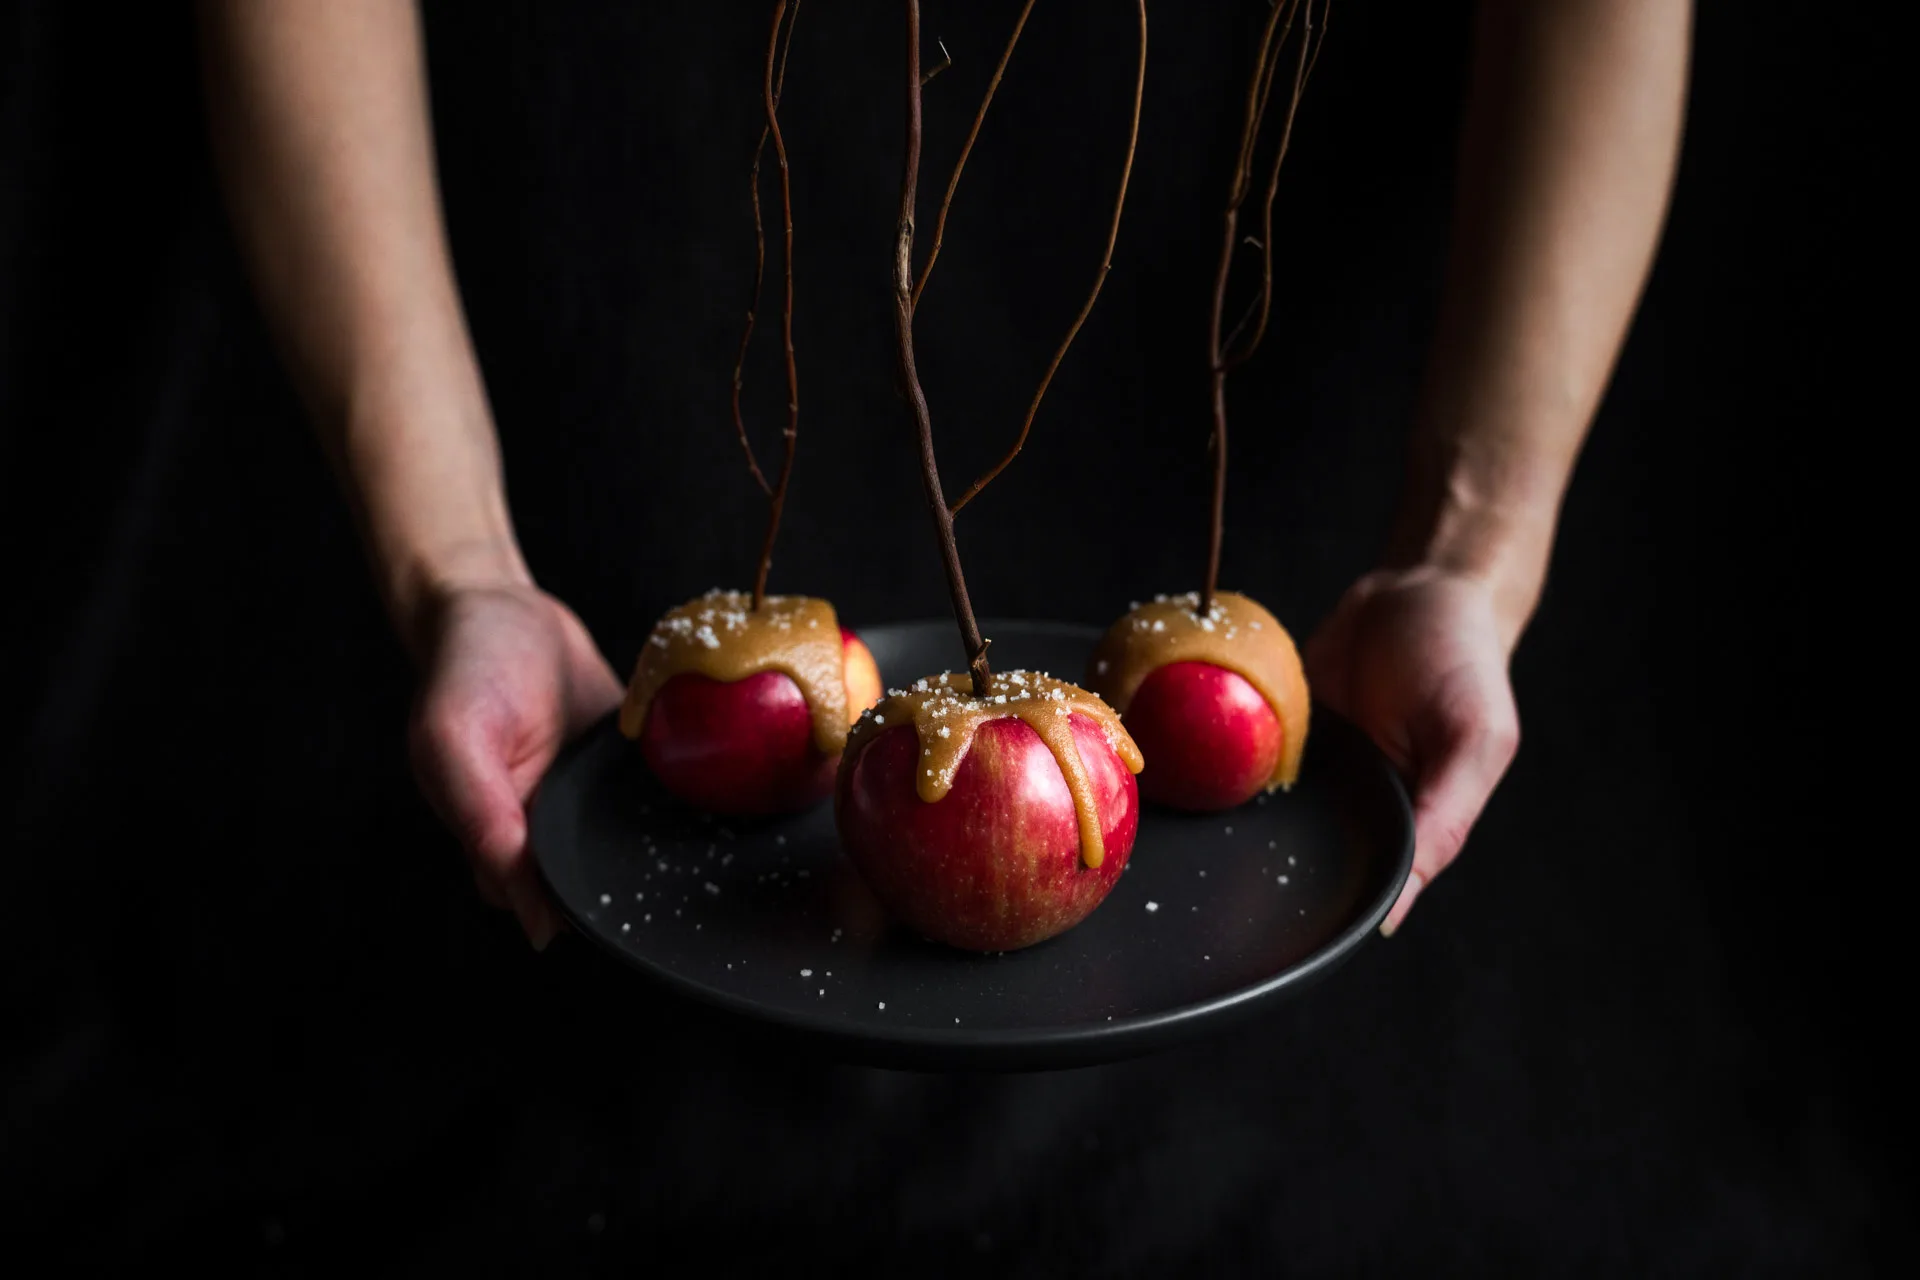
[252,1012]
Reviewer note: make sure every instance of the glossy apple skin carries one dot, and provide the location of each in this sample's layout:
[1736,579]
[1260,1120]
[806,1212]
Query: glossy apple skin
[1211,741]
[994,865]
[746,746]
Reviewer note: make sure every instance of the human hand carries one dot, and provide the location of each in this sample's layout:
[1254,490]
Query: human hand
[511,675]
[1417,658]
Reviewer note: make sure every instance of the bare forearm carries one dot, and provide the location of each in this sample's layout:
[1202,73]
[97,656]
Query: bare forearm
[320,124]
[1572,131]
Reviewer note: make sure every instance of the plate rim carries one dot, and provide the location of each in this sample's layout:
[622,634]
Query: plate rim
[1023,1049]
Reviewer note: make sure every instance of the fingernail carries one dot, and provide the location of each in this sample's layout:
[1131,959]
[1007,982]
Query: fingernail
[1403,904]
[532,918]
[545,930]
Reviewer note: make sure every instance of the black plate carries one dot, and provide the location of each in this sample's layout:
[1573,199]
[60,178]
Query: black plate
[1215,917]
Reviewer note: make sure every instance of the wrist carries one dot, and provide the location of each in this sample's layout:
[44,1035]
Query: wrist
[422,582]
[426,481]
[1482,515]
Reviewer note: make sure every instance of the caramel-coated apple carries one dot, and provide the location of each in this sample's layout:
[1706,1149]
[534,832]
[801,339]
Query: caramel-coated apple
[743,711]
[1217,700]
[989,824]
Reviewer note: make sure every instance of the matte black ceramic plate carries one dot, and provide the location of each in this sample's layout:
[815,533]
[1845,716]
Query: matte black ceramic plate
[1214,918]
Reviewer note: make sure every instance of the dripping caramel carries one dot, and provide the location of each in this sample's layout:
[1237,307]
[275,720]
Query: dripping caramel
[721,636]
[1237,633]
[945,715]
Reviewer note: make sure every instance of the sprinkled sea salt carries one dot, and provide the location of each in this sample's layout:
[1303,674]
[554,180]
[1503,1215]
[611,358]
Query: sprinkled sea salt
[806,973]
[606,899]
[1153,906]
[713,888]
[883,1004]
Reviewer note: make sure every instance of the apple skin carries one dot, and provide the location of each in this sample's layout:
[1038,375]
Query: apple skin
[994,865]
[746,747]
[1211,741]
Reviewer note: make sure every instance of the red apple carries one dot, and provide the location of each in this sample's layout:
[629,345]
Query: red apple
[746,746]
[995,863]
[1210,738]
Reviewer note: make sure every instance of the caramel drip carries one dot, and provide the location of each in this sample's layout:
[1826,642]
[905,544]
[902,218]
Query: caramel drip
[945,715]
[1237,634]
[721,636]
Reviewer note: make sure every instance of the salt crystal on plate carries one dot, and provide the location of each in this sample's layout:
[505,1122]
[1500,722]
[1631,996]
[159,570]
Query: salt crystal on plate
[806,973]
[606,899]
[1153,906]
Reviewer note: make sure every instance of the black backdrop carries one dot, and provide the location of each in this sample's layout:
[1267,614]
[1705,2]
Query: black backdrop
[252,1013]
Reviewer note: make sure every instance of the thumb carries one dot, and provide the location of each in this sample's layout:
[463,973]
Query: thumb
[1327,656]
[592,688]
[1459,762]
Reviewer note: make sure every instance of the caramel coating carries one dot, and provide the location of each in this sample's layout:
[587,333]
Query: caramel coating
[721,636]
[1237,633]
[945,715]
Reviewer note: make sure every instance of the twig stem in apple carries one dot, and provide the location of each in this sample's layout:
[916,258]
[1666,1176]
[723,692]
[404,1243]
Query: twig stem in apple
[779,42]
[966,148]
[1228,353]
[1100,276]
[910,377]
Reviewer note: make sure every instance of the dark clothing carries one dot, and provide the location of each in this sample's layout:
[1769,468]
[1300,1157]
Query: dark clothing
[254,1012]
